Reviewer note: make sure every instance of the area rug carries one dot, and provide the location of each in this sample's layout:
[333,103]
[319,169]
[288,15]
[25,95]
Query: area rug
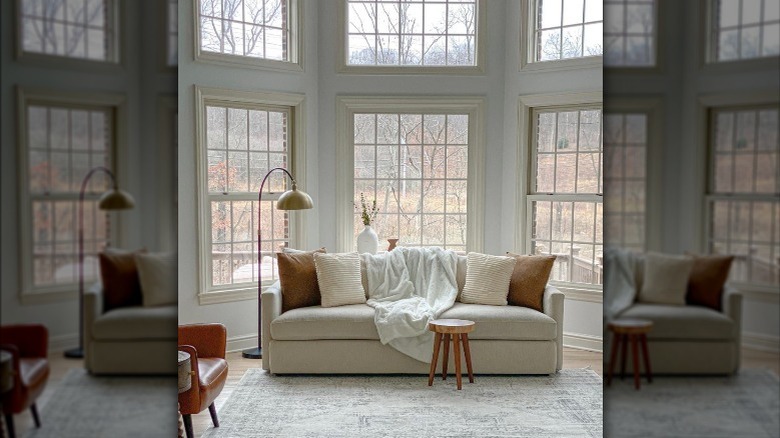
[89,406]
[745,406]
[262,405]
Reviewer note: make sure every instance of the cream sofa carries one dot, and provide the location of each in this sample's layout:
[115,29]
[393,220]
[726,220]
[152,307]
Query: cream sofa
[691,339]
[128,340]
[344,340]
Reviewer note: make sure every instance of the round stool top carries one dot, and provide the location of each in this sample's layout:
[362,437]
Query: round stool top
[451,326]
[630,326]
[185,383]
[6,371]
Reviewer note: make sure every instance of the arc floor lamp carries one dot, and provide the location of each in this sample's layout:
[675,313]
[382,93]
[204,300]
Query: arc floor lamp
[113,199]
[292,199]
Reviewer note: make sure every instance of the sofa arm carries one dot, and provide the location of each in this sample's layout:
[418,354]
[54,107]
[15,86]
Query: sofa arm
[731,303]
[93,308]
[552,303]
[272,308]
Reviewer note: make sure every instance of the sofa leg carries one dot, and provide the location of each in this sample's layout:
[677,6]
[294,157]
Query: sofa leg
[36,418]
[9,424]
[187,418]
[213,412]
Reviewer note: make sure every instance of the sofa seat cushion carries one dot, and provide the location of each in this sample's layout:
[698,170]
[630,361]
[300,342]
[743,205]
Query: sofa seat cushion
[132,323]
[504,322]
[683,322]
[353,321]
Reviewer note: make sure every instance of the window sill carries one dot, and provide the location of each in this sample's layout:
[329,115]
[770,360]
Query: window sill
[248,62]
[579,292]
[741,65]
[563,64]
[50,296]
[411,70]
[231,295]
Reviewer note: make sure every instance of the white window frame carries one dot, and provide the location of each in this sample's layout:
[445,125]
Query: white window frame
[115,63]
[707,56]
[205,96]
[659,32]
[32,96]
[347,107]
[525,166]
[165,30]
[477,69]
[528,16]
[295,45]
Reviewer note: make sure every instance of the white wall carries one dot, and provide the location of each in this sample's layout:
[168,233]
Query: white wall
[141,80]
[501,85]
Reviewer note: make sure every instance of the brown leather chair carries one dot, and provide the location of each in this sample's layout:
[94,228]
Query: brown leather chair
[28,344]
[206,345]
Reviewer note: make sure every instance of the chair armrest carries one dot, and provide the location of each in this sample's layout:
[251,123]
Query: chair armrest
[552,304]
[30,340]
[272,308]
[731,303]
[190,400]
[209,339]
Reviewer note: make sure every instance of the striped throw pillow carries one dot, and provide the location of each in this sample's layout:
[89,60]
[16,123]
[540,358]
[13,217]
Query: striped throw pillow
[487,279]
[338,276]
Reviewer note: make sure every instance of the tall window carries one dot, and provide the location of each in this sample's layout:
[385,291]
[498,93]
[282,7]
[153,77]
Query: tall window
[412,33]
[744,192]
[416,168]
[69,28]
[63,143]
[242,143]
[629,33]
[565,29]
[250,28]
[625,179]
[744,29]
[565,204]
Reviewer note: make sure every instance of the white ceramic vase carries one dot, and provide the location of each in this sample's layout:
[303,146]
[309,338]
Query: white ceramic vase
[367,241]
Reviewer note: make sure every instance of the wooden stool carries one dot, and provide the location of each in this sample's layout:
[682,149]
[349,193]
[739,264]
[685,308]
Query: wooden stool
[633,330]
[458,330]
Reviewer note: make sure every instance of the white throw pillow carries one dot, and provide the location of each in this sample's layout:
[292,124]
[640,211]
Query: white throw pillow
[157,273]
[338,276]
[487,279]
[665,278]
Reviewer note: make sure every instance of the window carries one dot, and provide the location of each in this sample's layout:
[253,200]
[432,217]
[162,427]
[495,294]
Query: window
[416,168]
[629,33]
[259,29]
[565,204]
[69,28]
[565,29]
[625,179]
[62,142]
[744,192]
[172,29]
[744,29]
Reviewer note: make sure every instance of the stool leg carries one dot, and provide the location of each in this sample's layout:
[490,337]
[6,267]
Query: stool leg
[446,357]
[613,356]
[635,351]
[467,351]
[643,339]
[435,358]
[623,356]
[456,356]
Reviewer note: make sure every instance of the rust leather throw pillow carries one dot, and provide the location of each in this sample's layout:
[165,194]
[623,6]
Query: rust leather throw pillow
[705,284]
[119,274]
[529,278]
[298,278]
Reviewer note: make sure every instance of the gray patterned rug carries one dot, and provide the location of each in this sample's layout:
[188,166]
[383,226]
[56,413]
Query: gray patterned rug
[745,406]
[87,406]
[566,404]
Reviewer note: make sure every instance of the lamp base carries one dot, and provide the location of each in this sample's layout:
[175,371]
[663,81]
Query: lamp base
[74,353]
[252,353]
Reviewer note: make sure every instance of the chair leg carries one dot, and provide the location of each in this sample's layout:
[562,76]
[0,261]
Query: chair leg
[187,418]
[36,418]
[213,412]
[9,424]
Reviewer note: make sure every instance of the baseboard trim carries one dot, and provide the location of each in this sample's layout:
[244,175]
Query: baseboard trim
[239,343]
[63,342]
[759,341]
[583,342]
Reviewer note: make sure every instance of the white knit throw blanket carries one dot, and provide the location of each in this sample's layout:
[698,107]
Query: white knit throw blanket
[408,287]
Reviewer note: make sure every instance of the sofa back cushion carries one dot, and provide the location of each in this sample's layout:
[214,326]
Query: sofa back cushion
[529,278]
[705,285]
[119,275]
[338,276]
[487,279]
[298,278]
[157,274]
[665,279]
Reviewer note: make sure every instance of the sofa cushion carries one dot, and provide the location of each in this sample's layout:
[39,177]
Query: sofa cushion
[338,276]
[709,274]
[298,278]
[504,322]
[354,321]
[487,279]
[683,322]
[526,288]
[130,323]
[119,275]
[665,279]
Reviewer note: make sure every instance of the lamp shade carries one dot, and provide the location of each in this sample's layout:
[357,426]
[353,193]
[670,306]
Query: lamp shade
[116,199]
[294,200]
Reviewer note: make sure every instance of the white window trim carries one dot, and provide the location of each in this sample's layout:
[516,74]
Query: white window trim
[659,46]
[297,151]
[526,106]
[112,65]
[296,46]
[706,103]
[29,294]
[467,70]
[164,12]
[528,43]
[346,107]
